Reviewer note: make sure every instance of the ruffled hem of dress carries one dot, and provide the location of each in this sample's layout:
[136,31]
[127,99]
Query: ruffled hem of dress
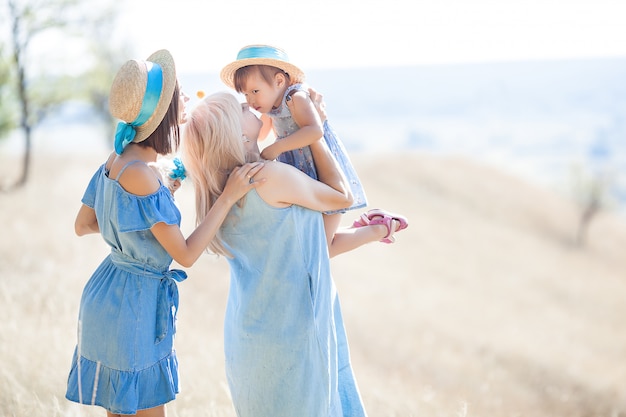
[123,392]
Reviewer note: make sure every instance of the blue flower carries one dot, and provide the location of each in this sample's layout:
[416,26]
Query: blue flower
[178,173]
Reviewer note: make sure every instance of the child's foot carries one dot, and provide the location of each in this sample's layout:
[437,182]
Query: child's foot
[393,222]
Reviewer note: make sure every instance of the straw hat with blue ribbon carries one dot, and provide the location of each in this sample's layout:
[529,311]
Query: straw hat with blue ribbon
[140,95]
[260,55]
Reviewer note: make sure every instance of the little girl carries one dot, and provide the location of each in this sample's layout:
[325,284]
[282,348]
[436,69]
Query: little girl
[274,87]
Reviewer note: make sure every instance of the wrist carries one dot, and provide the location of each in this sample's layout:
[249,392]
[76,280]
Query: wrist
[274,149]
[226,200]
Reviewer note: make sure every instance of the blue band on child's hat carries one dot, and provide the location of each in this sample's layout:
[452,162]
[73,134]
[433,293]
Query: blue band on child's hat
[262,52]
[125,132]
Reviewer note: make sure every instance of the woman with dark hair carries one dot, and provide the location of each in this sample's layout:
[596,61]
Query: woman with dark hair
[125,360]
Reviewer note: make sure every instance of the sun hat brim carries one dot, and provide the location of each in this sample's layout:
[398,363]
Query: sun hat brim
[128,90]
[260,55]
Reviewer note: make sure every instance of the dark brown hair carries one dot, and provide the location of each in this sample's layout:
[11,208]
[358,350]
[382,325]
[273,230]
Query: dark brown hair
[166,138]
[267,72]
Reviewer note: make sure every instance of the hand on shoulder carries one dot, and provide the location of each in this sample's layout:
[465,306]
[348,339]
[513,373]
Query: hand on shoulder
[242,179]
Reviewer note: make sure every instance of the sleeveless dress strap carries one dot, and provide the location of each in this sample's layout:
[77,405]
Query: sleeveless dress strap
[119,174]
[293,89]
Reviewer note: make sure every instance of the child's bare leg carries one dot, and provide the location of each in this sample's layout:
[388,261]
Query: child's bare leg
[346,239]
[158,411]
[153,412]
[331,224]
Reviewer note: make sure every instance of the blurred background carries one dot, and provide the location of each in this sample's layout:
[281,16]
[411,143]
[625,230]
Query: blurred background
[498,128]
[536,89]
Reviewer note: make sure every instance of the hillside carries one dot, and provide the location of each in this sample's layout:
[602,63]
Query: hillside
[483,307]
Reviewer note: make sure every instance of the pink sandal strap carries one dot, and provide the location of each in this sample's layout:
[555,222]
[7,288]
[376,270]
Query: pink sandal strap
[380,216]
[363,220]
[387,222]
[404,223]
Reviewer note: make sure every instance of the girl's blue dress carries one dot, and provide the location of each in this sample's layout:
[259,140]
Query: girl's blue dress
[125,359]
[285,344]
[301,158]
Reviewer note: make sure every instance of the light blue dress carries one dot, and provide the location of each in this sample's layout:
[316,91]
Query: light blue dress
[301,158]
[125,359]
[285,344]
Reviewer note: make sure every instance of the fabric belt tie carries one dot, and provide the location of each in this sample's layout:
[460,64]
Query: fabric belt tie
[167,293]
[167,302]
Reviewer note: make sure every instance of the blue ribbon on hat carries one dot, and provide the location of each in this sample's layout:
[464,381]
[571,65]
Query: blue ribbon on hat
[126,132]
[262,52]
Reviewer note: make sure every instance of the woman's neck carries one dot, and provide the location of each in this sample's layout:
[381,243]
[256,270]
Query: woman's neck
[253,154]
[143,153]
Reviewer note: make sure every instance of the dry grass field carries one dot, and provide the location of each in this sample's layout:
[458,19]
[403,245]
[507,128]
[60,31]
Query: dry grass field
[483,307]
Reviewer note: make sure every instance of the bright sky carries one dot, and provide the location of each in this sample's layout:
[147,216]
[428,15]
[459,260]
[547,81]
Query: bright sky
[205,35]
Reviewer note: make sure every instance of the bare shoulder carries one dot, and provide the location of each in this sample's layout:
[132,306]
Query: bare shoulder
[139,179]
[274,171]
[299,96]
[303,110]
[281,183]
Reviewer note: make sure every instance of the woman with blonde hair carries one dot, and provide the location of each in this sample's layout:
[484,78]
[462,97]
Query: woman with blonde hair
[284,340]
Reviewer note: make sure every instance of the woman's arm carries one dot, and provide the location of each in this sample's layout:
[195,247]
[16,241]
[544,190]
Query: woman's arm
[318,101]
[187,251]
[310,127]
[86,221]
[287,185]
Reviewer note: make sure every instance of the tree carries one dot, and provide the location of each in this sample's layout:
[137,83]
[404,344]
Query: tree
[596,182]
[108,58]
[38,95]
[7,109]
[592,193]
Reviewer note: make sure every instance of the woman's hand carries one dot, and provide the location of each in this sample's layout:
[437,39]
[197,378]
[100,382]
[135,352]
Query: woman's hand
[318,102]
[242,179]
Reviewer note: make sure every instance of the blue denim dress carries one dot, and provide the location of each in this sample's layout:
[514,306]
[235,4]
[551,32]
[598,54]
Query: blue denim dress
[301,158]
[124,360]
[285,344]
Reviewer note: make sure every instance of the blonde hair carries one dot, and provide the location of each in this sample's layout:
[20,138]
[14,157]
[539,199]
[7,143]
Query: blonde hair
[211,147]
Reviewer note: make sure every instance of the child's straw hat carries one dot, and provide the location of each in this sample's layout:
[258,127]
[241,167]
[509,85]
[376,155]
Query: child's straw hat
[130,90]
[260,55]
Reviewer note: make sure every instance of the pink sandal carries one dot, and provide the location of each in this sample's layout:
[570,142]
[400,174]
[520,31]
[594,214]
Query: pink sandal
[379,216]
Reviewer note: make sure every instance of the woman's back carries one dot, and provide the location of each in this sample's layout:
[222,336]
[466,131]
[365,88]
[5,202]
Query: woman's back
[280,336]
[125,219]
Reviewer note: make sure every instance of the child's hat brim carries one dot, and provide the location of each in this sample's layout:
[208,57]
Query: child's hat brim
[260,55]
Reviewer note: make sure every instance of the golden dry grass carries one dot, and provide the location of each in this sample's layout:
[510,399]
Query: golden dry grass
[482,308]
